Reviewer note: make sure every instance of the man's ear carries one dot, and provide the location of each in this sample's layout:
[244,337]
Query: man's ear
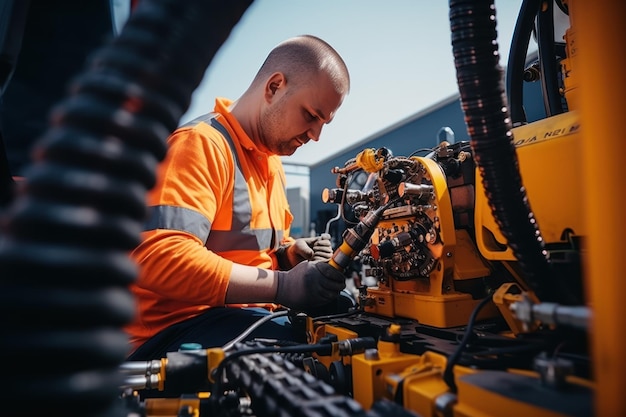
[273,84]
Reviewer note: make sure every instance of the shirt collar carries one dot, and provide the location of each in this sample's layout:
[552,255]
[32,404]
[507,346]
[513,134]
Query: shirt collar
[222,106]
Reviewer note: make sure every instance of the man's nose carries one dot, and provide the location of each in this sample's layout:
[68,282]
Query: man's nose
[315,132]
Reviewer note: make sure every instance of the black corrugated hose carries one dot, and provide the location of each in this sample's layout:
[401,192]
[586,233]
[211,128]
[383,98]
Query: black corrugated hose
[65,238]
[483,100]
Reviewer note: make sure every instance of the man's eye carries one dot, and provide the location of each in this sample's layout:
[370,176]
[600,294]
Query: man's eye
[310,116]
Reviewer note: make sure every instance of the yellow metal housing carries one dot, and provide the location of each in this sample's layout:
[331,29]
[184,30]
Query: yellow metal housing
[550,163]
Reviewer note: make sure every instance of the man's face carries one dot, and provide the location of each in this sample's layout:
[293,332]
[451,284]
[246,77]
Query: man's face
[297,114]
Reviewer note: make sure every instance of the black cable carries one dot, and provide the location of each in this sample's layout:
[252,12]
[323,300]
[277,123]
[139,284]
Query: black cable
[517,60]
[548,62]
[6,179]
[448,375]
[508,350]
[337,316]
[415,152]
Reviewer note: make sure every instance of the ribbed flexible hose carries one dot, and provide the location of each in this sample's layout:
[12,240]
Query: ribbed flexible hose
[483,100]
[64,243]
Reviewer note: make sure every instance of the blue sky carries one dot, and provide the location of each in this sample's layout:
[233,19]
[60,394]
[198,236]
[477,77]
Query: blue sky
[398,53]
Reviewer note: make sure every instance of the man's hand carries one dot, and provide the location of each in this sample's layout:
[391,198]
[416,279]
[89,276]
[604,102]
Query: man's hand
[317,248]
[308,285]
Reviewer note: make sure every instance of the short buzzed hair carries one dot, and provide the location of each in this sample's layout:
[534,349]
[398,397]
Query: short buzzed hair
[297,58]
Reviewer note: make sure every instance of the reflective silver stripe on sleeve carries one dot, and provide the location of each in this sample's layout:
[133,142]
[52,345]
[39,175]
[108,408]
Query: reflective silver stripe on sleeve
[227,240]
[178,218]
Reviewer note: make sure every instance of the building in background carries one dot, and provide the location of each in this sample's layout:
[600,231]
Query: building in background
[299,205]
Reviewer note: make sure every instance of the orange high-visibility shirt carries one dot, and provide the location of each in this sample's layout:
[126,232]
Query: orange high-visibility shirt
[217,201]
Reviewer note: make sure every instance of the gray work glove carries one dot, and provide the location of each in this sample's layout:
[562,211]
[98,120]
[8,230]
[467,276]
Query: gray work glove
[308,285]
[318,248]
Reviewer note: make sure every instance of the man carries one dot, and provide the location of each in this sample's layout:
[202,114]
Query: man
[218,231]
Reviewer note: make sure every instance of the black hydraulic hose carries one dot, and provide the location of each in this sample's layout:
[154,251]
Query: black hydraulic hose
[13,14]
[483,100]
[64,242]
[6,180]
[517,60]
[448,373]
[552,98]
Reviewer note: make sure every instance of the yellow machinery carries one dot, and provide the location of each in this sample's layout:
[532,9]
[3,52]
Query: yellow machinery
[494,283]
[495,288]
[543,341]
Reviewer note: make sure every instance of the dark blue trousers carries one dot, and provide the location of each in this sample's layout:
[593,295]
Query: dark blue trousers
[216,327]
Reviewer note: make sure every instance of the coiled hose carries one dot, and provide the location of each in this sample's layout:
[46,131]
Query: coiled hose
[65,239]
[483,100]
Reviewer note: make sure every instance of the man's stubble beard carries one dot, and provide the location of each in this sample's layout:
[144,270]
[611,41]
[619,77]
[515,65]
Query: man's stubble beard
[272,120]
